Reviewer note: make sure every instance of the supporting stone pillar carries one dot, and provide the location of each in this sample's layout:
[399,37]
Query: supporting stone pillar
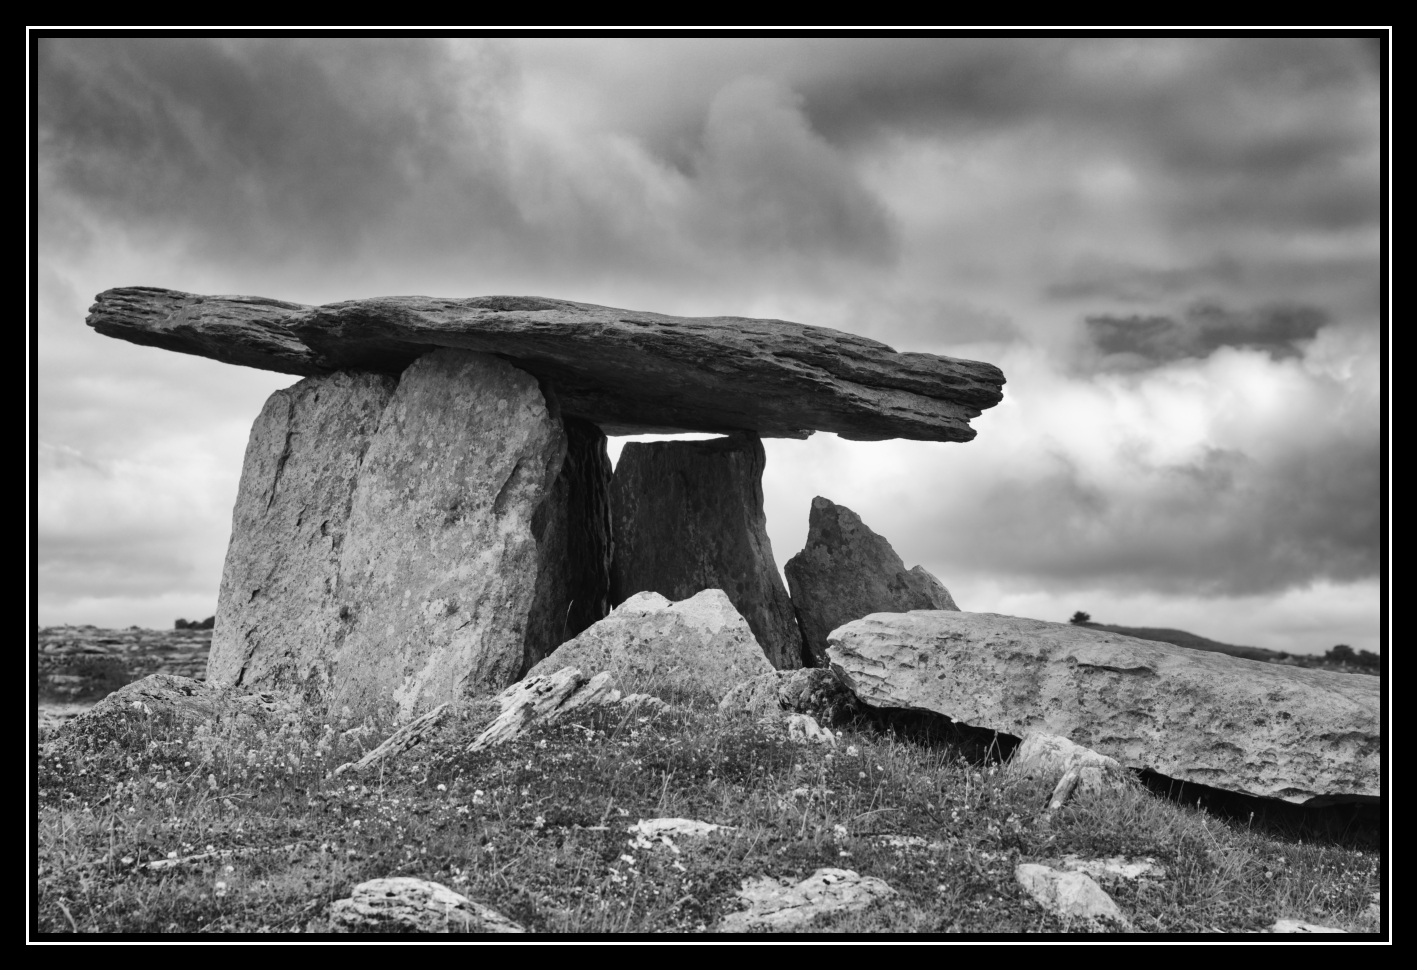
[277,615]
[403,543]
[442,567]
[572,530]
[688,516]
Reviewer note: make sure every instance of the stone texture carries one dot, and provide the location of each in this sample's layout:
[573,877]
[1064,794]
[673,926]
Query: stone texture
[1300,926]
[698,645]
[688,516]
[1071,768]
[412,733]
[624,370]
[403,903]
[543,699]
[846,571]
[574,544]
[808,690]
[804,728]
[277,618]
[451,544]
[1070,895]
[779,907]
[1306,736]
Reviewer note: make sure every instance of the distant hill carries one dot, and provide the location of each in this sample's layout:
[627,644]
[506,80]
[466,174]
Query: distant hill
[1340,658]
[1183,639]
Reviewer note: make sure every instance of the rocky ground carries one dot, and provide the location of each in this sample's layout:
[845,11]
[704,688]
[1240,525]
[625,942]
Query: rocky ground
[78,665]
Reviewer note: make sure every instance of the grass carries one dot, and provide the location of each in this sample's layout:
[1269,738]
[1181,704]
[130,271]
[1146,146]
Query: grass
[254,834]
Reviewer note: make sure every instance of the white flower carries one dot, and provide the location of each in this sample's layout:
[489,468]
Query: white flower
[852,751]
[442,787]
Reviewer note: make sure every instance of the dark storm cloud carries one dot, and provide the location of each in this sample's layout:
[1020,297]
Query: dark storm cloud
[265,149]
[272,145]
[1202,330]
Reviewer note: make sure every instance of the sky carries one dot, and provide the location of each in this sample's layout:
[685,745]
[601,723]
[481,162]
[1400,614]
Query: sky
[1172,248]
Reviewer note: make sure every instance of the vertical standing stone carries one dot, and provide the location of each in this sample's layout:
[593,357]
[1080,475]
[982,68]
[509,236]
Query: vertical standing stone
[572,531]
[442,568]
[846,571]
[276,619]
[688,516]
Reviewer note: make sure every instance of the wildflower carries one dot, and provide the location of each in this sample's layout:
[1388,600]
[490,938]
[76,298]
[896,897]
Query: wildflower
[852,751]
[479,796]
[229,869]
[442,787]
[172,854]
[219,889]
[211,782]
[539,823]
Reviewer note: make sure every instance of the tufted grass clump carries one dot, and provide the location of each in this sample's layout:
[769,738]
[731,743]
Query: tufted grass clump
[236,823]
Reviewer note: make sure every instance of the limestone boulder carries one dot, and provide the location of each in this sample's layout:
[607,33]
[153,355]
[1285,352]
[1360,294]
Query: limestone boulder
[452,569]
[777,906]
[688,516]
[1071,896]
[277,619]
[1309,737]
[700,645]
[846,571]
[624,370]
[406,904]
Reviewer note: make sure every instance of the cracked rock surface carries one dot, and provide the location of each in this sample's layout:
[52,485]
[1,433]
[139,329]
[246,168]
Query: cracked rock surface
[1305,736]
[627,371]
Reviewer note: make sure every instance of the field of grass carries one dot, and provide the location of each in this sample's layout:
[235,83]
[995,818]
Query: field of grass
[238,825]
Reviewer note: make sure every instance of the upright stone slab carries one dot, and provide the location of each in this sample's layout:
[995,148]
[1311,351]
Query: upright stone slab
[572,531]
[846,571]
[456,547]
[277,614]
[688,516]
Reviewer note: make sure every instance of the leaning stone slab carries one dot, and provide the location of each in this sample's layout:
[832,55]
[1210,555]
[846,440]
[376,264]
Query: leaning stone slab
[624,370]
[405,904]
[450,545]
[700,644]
[545,699]
[781,907]
[688,516]
[1310,737]
[277,618]
[846,571]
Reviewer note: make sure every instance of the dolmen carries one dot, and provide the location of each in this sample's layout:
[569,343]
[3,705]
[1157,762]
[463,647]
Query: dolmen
[431,511]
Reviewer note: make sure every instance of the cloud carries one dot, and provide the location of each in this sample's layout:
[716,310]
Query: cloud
[1197,216]
[1205,328]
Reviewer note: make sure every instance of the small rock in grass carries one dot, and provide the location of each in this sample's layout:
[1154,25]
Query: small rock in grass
[405,903]
[1114,867]
[777,906]
[655,827]
[1074,768]
[1299,926]
[653,832]
[1071,895]
[804,727]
